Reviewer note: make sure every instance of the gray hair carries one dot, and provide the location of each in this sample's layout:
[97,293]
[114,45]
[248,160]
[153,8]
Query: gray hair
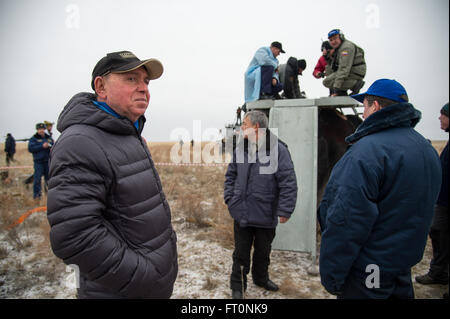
[257,117]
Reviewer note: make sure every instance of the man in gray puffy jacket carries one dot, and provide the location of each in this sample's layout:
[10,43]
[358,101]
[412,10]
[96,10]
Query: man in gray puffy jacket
[260,188]
[106,207]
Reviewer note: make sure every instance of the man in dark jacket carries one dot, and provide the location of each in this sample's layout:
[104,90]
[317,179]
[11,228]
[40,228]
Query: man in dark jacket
[106,206]
[289,73]
[438,273]
[260,187]
[39,145]
[378,203]
[10,148]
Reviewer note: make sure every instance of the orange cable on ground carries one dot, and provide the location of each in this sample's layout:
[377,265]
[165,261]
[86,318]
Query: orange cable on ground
[21,219]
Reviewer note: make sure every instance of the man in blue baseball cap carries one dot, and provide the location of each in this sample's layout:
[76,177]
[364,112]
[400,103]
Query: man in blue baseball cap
[347,67]
[378,204]
[384,89]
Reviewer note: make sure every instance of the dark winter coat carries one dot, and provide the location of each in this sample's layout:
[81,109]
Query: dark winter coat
[289,78]
[35,146]
[106,207]
[257,199]
[10,145]
[378,204]
[443,194]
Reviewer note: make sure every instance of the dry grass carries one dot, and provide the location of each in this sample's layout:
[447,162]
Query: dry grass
[27,261]
[195,194]
[210,284]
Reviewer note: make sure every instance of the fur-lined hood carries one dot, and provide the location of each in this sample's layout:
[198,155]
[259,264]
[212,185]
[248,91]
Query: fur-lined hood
[397,115]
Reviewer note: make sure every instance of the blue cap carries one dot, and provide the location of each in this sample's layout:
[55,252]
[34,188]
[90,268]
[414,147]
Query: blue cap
[333,32]
[389,89]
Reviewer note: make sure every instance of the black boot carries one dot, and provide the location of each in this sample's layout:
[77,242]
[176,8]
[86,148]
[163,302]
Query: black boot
[236,294]
[268,285]
[428,280]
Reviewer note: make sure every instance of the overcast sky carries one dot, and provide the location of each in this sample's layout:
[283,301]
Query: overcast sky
[49,48]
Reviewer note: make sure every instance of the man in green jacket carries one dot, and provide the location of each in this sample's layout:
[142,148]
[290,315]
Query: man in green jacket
[347,68]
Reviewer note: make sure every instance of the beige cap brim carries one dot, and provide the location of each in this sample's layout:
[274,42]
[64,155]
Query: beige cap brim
[154,68]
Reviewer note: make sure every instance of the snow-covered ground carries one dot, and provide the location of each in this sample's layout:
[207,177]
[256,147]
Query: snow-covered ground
[205,266]
[32,271]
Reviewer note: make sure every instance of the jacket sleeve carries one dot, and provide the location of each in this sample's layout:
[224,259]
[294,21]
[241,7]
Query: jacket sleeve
[289,85]
[296,86]
[287,184]
[263,58]
[347,214]
[346,57]
[320,67]
[80,176]
[230,178]
[34,146]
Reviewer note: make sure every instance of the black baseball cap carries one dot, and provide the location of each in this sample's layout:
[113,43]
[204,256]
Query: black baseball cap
[40,125]
[301,64]
[278,45]
[325,45]
[125,61]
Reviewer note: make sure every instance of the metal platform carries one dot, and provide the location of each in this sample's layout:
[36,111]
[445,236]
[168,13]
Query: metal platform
[297,123]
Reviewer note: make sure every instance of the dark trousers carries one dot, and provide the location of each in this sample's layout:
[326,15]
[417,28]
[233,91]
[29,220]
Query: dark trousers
[439,241]
[40,169]
[244,239]
[398,287]
[9,158]
[266,81]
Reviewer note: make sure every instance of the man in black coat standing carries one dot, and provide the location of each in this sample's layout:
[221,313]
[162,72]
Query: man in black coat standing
[438,273]
[10,148]
[260,188]
[289,73]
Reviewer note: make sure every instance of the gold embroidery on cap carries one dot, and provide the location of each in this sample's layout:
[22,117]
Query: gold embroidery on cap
[127,55]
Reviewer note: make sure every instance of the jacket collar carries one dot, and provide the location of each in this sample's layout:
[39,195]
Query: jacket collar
[268,141]
[46,136]
[81,110]
[397,115]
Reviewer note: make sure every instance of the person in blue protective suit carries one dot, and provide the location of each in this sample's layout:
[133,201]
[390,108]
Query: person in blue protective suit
[378,204]
[39,145]
[261,78]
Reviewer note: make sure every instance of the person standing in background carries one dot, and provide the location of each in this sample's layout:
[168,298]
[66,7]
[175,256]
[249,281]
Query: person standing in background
[10,148]
[438,272]
[39,145]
